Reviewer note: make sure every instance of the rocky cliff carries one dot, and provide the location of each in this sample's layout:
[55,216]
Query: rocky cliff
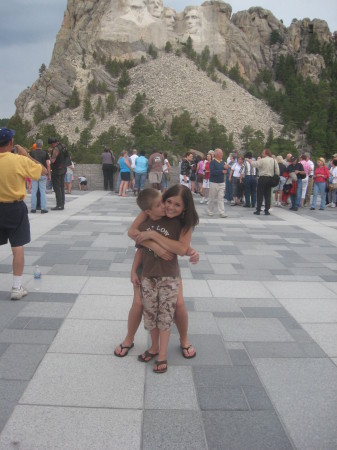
[125,29]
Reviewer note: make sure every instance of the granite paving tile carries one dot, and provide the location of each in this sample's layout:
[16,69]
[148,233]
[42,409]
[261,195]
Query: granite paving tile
[224,376]
[298,290]
[264,312]
[10,393]
[175,391]
[238,329]
[3,347]
[257,398]
[108,307]
[99,337]
[55,310]
[312,309]
[225,399]
[19,323]
[96,381]
[298,389]
[239,357]
[20,361]
[238,289]
[275,350]
[236,430]
[210,351]
[26,336]
[68,269]
[41,427]
[180,430]
[325,336]
[43,323]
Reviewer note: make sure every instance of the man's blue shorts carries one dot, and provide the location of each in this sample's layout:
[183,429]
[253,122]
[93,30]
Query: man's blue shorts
[14,224]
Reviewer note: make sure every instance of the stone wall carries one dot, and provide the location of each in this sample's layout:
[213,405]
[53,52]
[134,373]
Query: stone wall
[94,175]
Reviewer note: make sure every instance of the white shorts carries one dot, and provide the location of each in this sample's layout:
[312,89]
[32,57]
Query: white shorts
[205,184]
[187,184]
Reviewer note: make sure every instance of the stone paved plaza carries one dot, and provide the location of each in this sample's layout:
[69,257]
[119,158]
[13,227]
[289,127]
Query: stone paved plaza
[262,308]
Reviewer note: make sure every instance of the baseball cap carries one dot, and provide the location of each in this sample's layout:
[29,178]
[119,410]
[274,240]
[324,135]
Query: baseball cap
[6,135]
[293,158]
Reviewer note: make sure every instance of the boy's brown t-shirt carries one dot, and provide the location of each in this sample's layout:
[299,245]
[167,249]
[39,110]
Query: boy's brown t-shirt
[153,265]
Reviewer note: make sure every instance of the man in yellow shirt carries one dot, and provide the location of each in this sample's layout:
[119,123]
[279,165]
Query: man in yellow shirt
[15,166]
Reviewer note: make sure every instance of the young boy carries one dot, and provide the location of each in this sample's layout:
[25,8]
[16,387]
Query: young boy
[160,278]
[82,182]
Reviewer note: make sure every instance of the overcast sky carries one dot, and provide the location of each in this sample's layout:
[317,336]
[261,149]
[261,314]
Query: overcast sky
[29,28]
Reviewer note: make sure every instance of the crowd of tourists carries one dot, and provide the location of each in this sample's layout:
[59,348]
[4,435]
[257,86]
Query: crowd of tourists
[266,180]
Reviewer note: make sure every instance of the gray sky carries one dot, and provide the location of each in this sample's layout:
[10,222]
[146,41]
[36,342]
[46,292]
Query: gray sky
[29,29]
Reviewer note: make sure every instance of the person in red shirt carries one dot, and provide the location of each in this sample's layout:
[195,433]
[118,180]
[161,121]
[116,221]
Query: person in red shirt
[321,177]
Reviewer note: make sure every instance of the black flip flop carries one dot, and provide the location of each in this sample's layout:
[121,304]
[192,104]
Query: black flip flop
[122,348]
[159,363]
[187,349]
[146,354]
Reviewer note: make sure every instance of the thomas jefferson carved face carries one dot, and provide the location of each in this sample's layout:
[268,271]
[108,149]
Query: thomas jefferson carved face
[192,20]
[170,18]
[155,7]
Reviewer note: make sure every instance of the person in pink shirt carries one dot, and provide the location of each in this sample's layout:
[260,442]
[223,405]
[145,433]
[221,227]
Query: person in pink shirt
[321,177]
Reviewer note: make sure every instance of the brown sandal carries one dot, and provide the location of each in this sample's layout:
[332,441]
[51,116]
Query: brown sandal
[146,356]
[187,349]
[122,347]
[160,363]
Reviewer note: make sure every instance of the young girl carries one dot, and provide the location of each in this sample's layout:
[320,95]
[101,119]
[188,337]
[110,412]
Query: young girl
[205,182]
[178,203]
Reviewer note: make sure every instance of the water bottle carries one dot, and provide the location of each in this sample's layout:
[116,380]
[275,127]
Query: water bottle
[37,278]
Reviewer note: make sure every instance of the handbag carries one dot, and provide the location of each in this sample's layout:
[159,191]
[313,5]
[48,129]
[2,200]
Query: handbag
[275,179]
[167,176]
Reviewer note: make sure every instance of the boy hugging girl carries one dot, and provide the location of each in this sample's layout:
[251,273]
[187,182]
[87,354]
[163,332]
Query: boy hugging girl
[160,276]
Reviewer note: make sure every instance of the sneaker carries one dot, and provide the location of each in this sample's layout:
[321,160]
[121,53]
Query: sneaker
[33,211]
[223,216]
[206,201]
[202,201]
[321,209]
[44,211]
[18,293]
[333,205]
[210,213]
[312,209]
[329,204]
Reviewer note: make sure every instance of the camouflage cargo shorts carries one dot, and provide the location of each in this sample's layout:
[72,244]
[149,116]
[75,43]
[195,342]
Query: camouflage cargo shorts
[159,297]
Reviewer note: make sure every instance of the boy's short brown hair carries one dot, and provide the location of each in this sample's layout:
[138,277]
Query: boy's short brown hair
[146,198]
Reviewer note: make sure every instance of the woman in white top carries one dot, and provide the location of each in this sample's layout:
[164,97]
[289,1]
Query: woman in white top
[237,184]
[166,175]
